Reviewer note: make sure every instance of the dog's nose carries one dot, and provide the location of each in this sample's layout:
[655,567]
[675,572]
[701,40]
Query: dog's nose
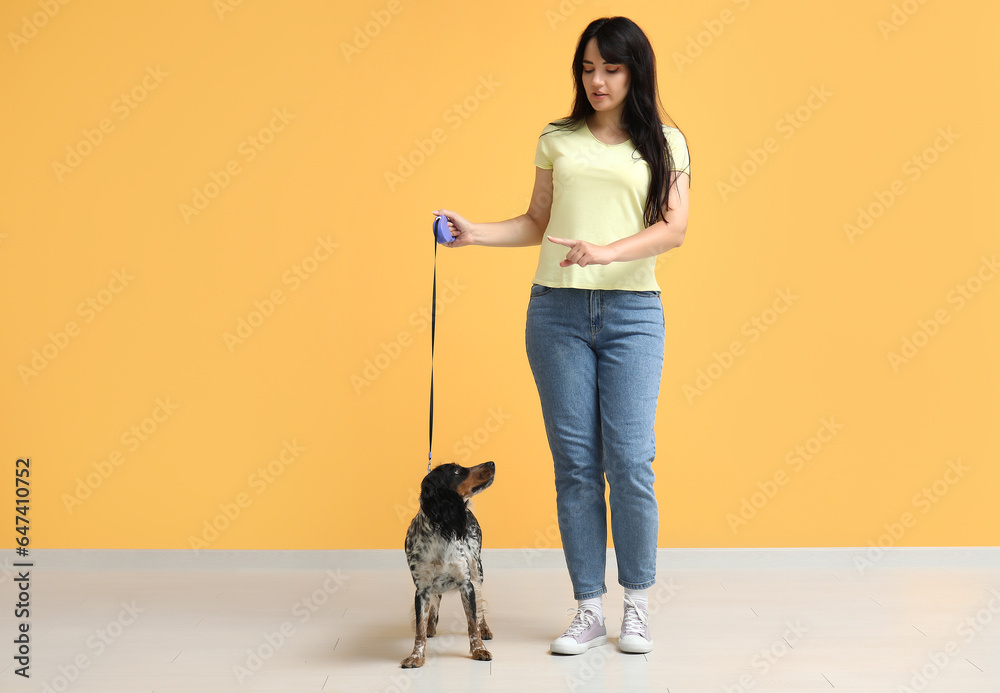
[491,466]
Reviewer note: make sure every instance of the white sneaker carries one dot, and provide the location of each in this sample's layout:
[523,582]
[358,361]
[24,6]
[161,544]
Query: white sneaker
[584,632]
[635,637]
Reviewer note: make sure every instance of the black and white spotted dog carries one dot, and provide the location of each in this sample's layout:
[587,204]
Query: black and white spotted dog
[442,548]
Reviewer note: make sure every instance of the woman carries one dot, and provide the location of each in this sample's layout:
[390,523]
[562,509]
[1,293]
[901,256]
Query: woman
[611,192]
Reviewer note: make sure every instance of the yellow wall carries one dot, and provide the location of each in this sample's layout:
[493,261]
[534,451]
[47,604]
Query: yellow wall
[145,423]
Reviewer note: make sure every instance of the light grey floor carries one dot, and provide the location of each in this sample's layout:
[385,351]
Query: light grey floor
[737,621]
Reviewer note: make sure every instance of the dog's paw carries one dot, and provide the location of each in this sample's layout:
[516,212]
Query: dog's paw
[482,654]
[412,662]
[485,633]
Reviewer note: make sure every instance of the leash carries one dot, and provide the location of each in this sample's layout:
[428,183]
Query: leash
[434,291]
[441,235]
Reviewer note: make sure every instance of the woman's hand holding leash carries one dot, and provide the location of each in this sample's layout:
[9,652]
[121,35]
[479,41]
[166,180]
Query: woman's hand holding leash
[460,227]
[524,230]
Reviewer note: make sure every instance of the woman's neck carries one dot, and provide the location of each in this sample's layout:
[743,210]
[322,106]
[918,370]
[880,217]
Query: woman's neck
[609,122]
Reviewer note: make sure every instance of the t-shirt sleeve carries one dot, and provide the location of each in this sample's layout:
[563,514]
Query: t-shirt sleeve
[678,150]
[543,152]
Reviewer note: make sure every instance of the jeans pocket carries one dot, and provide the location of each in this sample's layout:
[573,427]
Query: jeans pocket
[645,294]
[539,290]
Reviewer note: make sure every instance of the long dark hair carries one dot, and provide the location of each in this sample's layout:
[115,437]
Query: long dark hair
[621,41]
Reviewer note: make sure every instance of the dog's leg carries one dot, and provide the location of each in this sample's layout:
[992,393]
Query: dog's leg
[476,646]
[476,575]
[422,605]
[432,619]
[484,630]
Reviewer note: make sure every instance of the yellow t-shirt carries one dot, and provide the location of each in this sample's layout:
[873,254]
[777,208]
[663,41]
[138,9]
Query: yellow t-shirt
[598,195]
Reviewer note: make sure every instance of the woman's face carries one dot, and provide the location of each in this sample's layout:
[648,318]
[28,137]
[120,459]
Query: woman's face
[606,83]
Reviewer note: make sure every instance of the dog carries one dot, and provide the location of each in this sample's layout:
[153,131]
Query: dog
[443,550]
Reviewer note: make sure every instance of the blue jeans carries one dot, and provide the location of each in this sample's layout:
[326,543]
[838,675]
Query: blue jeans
[597,357]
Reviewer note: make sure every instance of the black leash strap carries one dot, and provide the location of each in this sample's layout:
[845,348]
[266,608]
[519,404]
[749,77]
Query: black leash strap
[434,293]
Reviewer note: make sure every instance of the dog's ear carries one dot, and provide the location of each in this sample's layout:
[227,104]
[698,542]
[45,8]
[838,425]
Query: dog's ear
[433,481]
[442,504]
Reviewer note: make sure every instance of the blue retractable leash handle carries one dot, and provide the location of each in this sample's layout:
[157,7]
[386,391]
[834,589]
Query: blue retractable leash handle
[441,235]
[441,232]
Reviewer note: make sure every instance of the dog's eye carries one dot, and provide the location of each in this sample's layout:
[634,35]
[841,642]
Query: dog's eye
[456,471]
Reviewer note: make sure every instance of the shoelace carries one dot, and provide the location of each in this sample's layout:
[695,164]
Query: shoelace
[635,620]
[583,620]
